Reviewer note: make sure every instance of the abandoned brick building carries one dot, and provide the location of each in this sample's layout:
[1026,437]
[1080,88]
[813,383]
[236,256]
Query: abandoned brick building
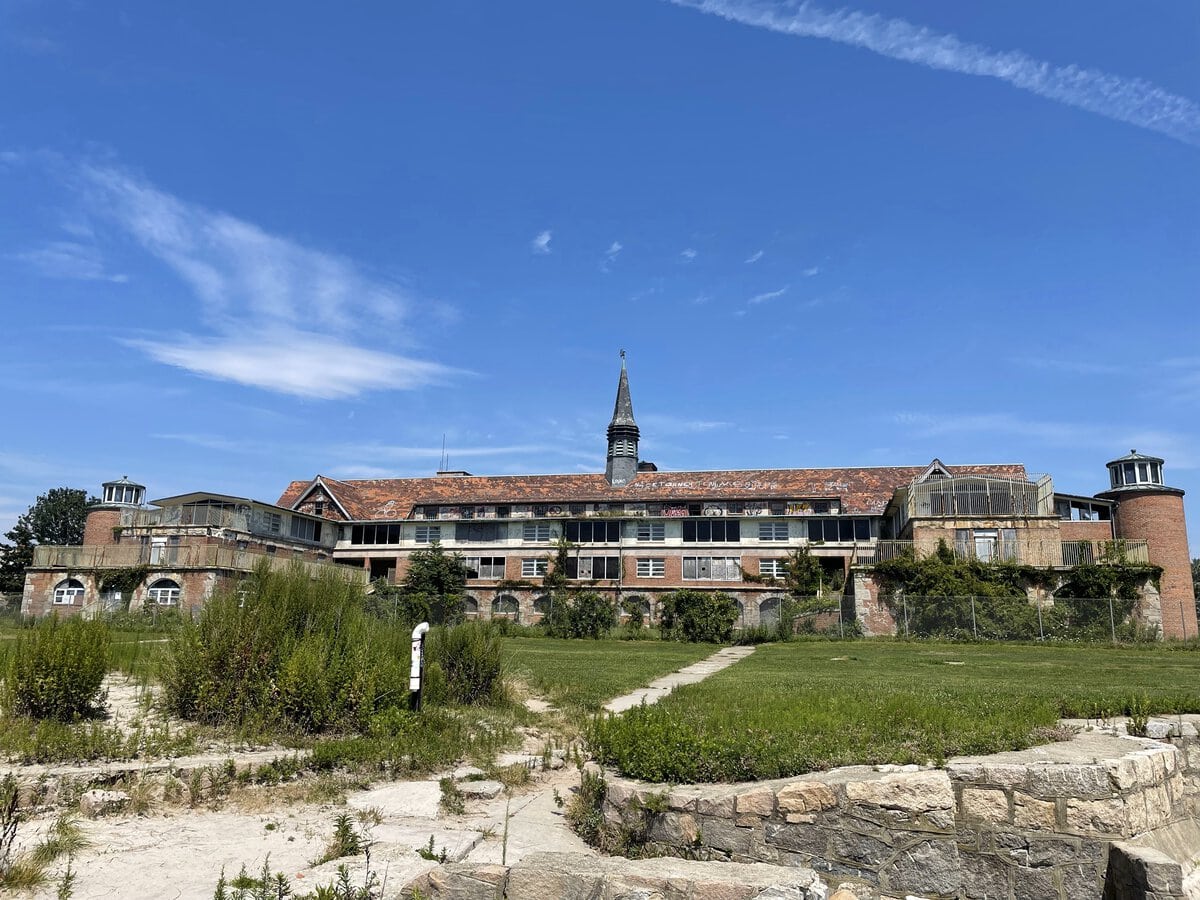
[636,533]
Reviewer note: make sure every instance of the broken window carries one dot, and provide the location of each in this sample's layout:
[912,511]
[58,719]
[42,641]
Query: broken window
[711,568]
[488,567]
[589,567]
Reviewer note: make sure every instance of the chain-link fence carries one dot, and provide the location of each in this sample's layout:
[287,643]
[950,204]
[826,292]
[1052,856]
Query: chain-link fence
[1105,619]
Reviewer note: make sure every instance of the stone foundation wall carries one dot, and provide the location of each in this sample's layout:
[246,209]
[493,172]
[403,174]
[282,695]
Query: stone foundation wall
[1031,824]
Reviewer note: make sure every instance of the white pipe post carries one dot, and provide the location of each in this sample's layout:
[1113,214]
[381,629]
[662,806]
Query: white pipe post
[416,672]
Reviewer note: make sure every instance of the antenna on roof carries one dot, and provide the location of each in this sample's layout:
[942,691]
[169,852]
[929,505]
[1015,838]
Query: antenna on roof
[443,465]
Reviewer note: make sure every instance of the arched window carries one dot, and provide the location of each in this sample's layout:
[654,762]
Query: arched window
[164,592]
[506,606]
[542,604]
[66,592]
[470,607]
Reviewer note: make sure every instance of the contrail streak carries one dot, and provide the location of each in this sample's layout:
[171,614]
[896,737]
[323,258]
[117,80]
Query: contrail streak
[1131,100]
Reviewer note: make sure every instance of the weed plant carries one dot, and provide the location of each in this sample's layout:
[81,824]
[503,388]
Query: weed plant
[27,870]
[290,651]
[464,665]
[29,741]
[56,669]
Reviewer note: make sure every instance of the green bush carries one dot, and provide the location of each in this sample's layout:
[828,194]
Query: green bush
[56,670]
[698,616]
[464,664]
[581,615]
[287,650]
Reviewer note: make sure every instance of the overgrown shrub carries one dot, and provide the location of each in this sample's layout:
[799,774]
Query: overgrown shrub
[580,615]
[464,664]
[290,650]
[56,670]
[698,616]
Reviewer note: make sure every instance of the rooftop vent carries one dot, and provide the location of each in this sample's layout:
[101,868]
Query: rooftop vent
[646,466]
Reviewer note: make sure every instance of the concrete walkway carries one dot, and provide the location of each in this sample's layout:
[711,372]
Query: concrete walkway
[660,687]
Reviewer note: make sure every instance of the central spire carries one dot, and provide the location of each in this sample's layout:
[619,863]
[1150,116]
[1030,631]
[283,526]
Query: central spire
[622,436]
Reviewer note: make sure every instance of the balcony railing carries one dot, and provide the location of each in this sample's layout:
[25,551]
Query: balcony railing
[1057,554]
[195,516]
[183,556]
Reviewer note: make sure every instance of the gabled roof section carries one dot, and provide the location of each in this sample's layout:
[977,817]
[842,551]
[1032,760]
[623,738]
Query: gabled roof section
[862,491]
[320,482]
[934,469]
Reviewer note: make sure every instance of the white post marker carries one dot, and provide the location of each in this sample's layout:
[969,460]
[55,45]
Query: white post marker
[416,672]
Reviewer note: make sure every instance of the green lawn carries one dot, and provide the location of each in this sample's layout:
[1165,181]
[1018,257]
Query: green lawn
[580,675]
[805,706]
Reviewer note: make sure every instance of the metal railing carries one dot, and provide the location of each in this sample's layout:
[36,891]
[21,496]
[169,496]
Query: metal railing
[1057,554]
[1020,618]
[184,556]
[196,516]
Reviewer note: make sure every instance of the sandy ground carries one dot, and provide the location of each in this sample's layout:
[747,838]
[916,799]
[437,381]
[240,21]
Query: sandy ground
[178,853]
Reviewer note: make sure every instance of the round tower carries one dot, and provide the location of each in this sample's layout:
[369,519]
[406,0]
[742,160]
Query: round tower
[1147,509]
[103,525]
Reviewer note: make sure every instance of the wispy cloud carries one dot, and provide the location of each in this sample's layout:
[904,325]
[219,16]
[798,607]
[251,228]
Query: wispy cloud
[659,423]
[610,255]
[295,362]
[811,271]
[1132,100]
[69,259]
[769,295]
[280,315]
[688,255]
[755,256]
[541,243]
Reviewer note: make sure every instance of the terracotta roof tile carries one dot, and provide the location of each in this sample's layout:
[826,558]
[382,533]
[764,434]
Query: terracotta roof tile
[861,491]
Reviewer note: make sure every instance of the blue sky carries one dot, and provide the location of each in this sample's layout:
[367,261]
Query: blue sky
[247,243]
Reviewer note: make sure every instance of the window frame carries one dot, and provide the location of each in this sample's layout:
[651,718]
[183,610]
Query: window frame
[651,567]
[534,566]
[67,590]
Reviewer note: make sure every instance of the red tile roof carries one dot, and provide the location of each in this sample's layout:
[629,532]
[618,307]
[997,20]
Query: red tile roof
[863,491]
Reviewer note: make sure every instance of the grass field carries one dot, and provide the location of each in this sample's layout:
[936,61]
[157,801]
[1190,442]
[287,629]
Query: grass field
[580,675]
[805,706]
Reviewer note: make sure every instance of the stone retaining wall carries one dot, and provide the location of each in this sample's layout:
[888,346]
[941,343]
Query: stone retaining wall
[1031,824]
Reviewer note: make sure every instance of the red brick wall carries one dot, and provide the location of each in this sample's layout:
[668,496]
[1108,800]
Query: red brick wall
[1158,519]
[1086,531]
[98,527]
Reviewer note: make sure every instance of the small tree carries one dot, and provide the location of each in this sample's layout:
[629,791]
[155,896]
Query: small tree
[57,517]
[434,584]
